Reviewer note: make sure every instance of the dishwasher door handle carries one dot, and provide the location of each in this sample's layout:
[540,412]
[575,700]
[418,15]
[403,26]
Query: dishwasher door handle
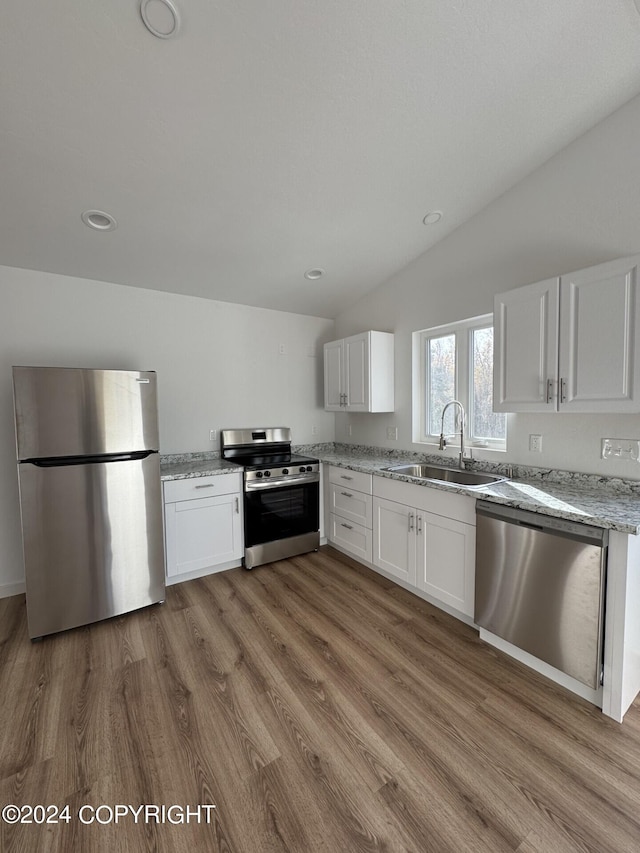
[543,523]
[531,526]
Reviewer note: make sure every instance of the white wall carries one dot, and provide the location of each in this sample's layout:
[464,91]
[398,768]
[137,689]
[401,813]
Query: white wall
[580,208]
[219,365]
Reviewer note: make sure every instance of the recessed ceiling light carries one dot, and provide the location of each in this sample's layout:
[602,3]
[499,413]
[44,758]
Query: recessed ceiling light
[432,217]
[160,17]
[313,274]
[99,220]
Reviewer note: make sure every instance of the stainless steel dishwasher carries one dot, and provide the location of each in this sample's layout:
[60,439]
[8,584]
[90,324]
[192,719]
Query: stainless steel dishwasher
[540,585]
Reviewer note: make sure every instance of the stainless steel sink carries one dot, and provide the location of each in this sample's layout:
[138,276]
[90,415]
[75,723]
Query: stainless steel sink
[455,476]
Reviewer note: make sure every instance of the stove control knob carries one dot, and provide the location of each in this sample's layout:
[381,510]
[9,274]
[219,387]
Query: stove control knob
[302,469]
[258,474]
[267,473]
[285,471]
[309,468]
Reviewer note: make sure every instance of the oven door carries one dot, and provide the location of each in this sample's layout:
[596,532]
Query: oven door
[279,511]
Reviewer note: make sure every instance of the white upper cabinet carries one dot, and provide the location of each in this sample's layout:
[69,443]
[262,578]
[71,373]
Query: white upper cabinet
[525,343]
[333,376]
[358,373]
[570,344]
[600,353]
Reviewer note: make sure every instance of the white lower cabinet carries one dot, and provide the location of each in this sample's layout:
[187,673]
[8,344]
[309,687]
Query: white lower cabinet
[445,565]
[203,525]
[395,539]
[350,512]
[422,548]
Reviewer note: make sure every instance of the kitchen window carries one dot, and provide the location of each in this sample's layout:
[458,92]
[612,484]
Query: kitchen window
[455,362]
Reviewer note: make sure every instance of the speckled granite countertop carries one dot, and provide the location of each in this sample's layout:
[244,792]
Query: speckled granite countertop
[604,502]
[607,502]
[183,466]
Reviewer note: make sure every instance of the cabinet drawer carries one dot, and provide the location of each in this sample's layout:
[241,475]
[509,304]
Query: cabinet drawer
[351,505]
[353,479]
[201,487]
[351,537]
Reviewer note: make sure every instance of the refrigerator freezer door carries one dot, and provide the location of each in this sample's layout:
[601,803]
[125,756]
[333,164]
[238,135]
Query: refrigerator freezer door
[62,411]
[93,542]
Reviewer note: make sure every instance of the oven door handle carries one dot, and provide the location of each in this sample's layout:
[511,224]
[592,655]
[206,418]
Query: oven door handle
[280,482]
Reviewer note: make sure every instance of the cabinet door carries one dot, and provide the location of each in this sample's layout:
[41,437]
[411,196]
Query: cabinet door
[599,347]
[525,358]
[394,539]
[202,533]
[333,372]
[445,560]
[356,372]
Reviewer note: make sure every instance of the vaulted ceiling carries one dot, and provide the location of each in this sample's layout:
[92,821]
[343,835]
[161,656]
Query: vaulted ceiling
[266,139]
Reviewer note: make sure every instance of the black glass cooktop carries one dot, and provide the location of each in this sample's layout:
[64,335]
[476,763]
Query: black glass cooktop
[272,460]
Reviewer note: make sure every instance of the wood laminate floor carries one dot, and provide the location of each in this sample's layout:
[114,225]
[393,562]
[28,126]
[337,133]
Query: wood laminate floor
[319,707]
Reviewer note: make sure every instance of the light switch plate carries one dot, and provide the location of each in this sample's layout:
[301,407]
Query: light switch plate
[621,448]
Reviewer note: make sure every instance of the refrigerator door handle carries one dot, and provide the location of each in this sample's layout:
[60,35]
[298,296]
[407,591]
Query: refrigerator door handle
[58,461]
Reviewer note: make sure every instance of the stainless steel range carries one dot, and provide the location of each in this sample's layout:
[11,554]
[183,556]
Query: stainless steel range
[281,494]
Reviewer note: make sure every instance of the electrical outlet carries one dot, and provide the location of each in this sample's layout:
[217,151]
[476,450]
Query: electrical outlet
[392,433]
[213,435]
[314,430]
[349,429]
[535,443]
[282,349]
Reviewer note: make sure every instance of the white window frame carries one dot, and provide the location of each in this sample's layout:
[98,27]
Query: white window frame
[463,331]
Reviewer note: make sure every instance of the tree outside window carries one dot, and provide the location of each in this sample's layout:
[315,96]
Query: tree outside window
[456,362]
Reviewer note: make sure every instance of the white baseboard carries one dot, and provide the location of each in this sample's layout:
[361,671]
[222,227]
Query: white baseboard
[9,589]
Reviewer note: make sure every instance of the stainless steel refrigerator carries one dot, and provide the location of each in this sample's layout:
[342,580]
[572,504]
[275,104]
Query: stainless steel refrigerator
[90,494]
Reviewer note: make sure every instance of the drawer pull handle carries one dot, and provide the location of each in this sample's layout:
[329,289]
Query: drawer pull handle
[348,526]
[347,494]
[237,506]
[206,486]
[345,477]
[410,522]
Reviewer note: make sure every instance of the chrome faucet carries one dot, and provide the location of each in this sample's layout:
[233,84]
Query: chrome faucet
[443,438]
